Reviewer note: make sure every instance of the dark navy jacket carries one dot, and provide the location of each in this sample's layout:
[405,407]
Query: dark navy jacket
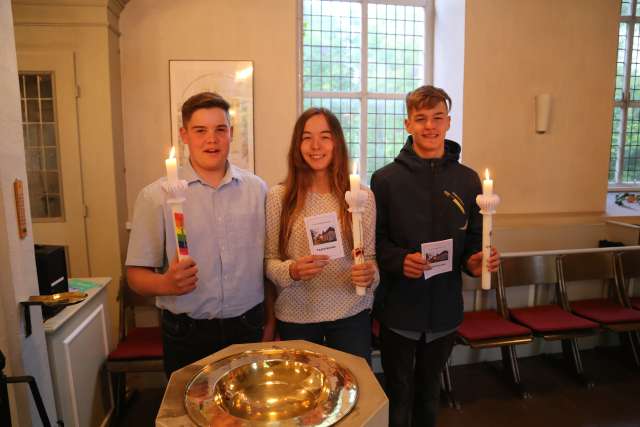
[419,201]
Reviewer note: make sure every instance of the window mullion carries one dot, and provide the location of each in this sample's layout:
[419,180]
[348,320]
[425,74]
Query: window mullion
[382,95]
[626,98]
[325,94]
[364,58]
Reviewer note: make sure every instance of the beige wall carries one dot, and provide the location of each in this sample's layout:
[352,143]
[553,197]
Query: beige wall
[155,31]
[539,46]
[515,50]
[555,179]
[88,29]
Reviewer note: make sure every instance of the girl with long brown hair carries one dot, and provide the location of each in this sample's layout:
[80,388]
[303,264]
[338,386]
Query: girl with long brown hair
[317,299]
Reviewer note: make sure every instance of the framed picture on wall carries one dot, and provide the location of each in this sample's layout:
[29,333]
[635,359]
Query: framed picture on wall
[233,80]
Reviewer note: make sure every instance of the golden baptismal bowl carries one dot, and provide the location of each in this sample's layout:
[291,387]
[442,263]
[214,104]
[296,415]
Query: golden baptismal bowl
[283,387]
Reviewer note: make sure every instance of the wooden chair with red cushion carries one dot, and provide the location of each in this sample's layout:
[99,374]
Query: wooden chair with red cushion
[139,348]
[549,320]
[609,311]
[492,328]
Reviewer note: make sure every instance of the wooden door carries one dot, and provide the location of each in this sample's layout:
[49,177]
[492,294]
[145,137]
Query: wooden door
[52,149]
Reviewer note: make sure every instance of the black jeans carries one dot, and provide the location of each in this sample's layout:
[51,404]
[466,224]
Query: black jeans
[351,335]
[412,377]
[186,340]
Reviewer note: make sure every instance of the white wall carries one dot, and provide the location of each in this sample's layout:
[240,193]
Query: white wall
[25,355]
[155,31]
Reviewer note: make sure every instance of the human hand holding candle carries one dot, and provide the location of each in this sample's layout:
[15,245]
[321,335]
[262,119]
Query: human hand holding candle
[476,261]
[180,278]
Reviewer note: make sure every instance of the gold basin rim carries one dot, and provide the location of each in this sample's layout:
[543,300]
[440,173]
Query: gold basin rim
[340,400]
[62,298]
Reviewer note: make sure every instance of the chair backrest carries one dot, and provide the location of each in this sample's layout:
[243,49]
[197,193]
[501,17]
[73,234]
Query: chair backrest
[129,301]
[589,266]
[628,263]
[528,270]
[524,271]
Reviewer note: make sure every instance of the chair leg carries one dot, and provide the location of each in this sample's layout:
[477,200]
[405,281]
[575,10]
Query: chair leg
[510,362]
[572,354]
[634,343]
[118,382]
[447,387]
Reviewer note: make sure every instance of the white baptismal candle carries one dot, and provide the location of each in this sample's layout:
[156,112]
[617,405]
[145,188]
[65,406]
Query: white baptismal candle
[356,221]
[487,226]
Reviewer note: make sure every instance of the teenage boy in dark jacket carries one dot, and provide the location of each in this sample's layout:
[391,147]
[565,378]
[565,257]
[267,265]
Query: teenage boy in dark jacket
[424,196]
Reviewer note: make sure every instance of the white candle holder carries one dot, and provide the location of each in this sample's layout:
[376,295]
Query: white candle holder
[356,201]
[176,191]
[488,205]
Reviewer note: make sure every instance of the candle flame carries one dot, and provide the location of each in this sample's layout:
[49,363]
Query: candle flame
[354,167]
[486,174]
[172,153]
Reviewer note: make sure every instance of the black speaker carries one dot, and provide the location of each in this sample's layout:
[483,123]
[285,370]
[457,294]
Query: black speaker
[51,264]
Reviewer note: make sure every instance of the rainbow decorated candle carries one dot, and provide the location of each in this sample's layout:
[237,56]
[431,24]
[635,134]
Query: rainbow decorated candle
[181,234]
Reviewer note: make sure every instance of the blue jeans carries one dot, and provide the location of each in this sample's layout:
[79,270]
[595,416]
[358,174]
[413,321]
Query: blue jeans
[351,335]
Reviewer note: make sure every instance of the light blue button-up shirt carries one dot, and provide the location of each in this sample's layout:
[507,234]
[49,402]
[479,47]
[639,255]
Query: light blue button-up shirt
[225,234]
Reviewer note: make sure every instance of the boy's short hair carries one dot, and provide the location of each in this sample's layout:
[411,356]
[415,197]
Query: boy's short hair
[427,97]
[203,100]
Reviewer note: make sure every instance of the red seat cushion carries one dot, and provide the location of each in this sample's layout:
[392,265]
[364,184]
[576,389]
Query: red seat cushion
[140,343]
[635,303]
[488,324]
[550,318]
[375,328]
[604,311]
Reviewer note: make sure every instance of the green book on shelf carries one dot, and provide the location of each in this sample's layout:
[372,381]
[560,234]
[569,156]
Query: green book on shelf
[81,285]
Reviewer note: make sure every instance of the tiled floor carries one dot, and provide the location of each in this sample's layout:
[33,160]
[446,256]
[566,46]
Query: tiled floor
[487,401]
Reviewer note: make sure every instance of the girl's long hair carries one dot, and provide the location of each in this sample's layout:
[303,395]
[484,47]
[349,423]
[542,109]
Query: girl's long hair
[300,176]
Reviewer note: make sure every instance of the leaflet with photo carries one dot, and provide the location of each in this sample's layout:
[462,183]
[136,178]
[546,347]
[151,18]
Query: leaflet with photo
[439,255]
[324,235]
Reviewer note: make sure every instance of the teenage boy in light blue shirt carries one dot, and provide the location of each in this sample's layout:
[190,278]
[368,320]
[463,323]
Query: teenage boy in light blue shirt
[214,297]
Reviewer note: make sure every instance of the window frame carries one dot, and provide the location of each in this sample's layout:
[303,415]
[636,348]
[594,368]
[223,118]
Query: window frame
[364,95]
[625,102]
[24,98]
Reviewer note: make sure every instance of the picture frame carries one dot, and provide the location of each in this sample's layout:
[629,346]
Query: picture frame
[233,80]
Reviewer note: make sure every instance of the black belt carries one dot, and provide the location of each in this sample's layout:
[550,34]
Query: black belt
[183,317]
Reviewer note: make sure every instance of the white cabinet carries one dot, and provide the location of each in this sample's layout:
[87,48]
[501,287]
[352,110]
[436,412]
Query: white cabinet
[78,345]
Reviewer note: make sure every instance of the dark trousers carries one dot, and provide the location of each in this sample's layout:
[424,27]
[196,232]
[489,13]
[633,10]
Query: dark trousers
[351,335]
[186,340]
[412,377]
